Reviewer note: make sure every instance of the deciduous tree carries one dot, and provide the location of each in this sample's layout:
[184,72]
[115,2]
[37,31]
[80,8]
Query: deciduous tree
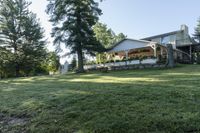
[53,62]
[106,36]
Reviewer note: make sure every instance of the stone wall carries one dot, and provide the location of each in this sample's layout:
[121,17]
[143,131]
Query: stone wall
[122,63]
[128,67]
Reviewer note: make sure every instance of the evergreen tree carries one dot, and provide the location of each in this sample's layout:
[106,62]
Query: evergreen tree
[33,50]
[197,31]
[105,36]
[73,21]
[21,34]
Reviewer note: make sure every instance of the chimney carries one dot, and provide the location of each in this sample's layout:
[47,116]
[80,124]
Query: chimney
[185,28]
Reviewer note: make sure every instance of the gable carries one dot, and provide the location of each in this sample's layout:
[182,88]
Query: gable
[129,44]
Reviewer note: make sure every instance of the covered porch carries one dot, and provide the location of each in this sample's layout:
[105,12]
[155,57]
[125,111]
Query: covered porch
[152,51]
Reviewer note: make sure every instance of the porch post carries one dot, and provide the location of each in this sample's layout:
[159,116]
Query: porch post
[155,50]
[170,53]
[161,51]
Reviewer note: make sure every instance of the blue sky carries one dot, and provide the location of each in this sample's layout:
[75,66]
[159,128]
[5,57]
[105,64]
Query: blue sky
[136,18]
[142,18]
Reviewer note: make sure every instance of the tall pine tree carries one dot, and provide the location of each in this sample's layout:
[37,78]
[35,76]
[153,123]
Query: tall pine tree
[73,21]
[21,34]
[33,51]
[197,31]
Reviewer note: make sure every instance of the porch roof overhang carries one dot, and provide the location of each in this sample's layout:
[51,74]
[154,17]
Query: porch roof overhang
[149,44]
[112,48]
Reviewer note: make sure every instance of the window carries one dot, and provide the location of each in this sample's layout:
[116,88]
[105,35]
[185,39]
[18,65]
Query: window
[165,40]
[168,39]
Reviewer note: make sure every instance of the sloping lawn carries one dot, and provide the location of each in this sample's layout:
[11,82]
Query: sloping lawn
[137,101]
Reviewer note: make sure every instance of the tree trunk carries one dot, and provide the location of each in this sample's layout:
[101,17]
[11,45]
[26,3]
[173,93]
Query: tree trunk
[80,61]
[198,58]
[16,61]
[17,70]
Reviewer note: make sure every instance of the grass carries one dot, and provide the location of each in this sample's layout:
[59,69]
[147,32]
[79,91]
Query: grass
[157,101]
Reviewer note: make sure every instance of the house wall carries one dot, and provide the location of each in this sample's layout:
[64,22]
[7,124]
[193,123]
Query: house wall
[182,39]
[128,44]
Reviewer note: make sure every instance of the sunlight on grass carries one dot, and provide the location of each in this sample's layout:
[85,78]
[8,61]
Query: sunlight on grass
[9,89]
[19,83]
[28,79]
[32,104]
[65,92]
[109,79]
[182,74]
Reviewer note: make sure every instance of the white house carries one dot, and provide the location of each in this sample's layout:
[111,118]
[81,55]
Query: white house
[150,50]
[131,52]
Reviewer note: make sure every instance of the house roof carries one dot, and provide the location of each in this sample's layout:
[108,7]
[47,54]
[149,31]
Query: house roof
[162,35]
[125,40]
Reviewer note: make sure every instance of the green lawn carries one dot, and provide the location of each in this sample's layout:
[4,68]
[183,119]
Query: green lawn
[140,101]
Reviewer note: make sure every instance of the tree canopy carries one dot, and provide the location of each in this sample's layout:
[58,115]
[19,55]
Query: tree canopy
[106,36]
